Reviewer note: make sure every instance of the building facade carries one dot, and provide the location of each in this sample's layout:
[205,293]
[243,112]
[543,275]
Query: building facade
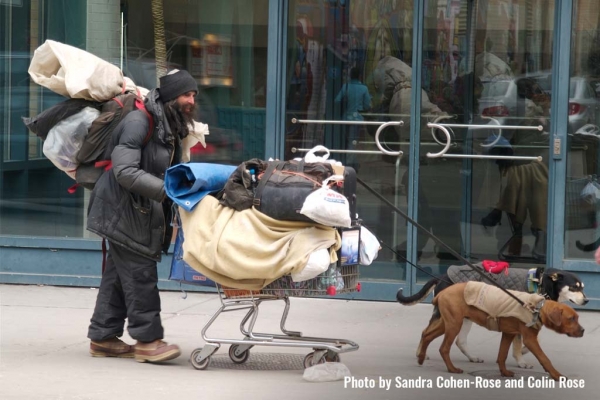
[483,122]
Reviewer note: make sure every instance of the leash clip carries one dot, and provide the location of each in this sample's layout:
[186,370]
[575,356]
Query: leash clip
[536,313]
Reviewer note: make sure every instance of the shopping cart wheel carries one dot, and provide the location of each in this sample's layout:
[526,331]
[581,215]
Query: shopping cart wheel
[199,364]
[236,356]
[334,358]
[308,360]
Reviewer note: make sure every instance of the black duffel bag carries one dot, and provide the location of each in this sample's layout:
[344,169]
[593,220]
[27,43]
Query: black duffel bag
[284,186]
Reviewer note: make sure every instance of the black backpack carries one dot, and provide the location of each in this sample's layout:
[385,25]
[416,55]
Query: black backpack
[93,158]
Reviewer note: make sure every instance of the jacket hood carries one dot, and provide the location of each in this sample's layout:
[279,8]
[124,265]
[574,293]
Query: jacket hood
[155,107]
[392,75]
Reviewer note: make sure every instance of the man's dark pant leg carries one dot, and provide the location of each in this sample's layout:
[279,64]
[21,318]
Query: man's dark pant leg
[139,279]
[110,311]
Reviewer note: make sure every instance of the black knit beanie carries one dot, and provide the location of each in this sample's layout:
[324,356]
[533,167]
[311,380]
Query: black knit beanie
[175,84]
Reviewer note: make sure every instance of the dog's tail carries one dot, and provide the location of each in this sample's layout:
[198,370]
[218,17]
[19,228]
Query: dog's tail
[587,247]
[417,297]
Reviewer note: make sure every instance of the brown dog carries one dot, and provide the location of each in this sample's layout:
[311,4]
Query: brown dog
[454,309]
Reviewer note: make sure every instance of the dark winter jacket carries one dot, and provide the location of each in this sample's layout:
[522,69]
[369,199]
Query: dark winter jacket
[128,205]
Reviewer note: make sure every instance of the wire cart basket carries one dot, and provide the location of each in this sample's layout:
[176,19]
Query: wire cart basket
[341,277]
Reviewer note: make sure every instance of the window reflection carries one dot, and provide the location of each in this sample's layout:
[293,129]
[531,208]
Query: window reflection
[582,197]
[223,44]
[486,63]
[335,72]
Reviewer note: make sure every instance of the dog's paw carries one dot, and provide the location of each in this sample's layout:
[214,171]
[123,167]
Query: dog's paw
[507,373]
[475,360]
[524,365]
[455,371]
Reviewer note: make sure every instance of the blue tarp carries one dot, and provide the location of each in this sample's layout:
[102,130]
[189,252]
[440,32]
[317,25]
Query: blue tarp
[187,184]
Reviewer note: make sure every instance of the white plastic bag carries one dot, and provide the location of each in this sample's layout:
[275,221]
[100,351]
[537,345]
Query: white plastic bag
[64,140]
[311,157]
[591,193]
[327,207]
[197,133]
[327,372]
[369,246]
[317,263]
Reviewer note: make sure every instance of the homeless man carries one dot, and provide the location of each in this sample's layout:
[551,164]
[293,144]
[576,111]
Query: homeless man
[128,208]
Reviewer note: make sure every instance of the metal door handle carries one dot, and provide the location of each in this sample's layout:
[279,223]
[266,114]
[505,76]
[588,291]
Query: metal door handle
[382,125]
[443,128]
[442,117]
[297,149]
[337,122]
[378,143]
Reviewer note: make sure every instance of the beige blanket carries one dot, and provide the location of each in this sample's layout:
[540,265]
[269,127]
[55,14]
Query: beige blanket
[496,303]
[247,249]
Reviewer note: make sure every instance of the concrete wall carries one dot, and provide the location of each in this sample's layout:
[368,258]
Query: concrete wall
[104,29]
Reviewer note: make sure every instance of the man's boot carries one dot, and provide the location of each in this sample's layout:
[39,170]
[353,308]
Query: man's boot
[156,351]
[113,347]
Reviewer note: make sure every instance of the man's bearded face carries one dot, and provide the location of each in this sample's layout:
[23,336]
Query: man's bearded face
[186,104]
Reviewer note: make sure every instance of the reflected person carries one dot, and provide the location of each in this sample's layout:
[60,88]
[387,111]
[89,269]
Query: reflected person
[354,98]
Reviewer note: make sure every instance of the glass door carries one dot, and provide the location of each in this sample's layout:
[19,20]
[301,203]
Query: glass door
[486,69]
[474,135]
[337,94]
[582,194]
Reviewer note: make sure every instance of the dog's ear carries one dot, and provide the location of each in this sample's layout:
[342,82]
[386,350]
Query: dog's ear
[556,316]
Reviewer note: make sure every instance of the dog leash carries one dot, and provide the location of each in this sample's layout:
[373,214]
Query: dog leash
[408,262]
[444,245]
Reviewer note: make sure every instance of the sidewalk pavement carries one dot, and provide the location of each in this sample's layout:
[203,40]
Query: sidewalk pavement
[44,353]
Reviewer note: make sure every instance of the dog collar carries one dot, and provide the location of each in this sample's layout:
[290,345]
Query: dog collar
[535,320]
[532,281]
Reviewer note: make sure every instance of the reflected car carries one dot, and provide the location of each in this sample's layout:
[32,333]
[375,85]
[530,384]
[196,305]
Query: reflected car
[504,100]
[584,105]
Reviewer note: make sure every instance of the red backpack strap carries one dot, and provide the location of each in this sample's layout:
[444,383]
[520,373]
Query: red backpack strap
[73,189]
[139,104]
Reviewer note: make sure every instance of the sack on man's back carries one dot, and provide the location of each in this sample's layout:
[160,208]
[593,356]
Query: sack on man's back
[94,155]
[47,119]
[112,112]
[82,150]
[64,140]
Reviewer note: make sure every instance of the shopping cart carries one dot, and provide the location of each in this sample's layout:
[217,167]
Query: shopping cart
[341,277]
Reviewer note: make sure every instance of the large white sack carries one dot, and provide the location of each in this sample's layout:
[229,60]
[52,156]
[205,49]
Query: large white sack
[75,73]
[317,263]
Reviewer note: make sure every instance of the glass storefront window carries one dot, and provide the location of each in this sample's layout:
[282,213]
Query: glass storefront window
[486,63]
[335,73]
[222,44]
[582,197]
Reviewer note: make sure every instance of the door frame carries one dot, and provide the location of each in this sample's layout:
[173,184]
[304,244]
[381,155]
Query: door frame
[275,140]
[558,123]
